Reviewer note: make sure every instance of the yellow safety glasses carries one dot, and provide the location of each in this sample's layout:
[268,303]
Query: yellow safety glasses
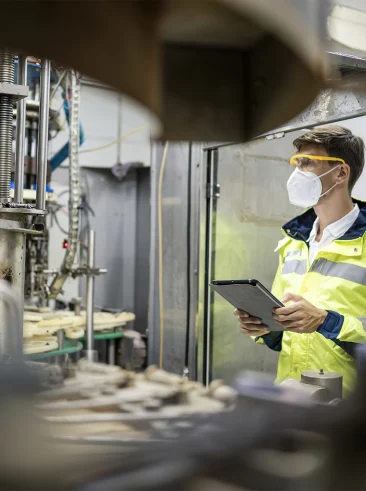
[303,159]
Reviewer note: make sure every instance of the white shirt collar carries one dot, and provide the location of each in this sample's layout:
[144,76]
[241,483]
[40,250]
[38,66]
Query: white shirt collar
[338,228]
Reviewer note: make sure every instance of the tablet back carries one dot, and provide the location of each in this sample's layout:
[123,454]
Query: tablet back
[251,299]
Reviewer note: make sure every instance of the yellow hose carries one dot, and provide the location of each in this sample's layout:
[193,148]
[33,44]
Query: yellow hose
[119,140]
[160,249]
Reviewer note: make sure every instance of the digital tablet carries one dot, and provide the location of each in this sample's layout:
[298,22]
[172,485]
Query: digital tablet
[252,297]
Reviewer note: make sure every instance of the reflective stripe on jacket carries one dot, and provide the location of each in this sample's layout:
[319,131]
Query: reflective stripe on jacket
[336,282]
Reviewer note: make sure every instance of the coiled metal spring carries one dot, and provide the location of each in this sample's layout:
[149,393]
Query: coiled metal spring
[7,68]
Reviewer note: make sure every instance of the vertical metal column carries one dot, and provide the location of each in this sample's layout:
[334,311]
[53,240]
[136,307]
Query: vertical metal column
[42,154]
[91,354]
[20,134]
[6,125]
[212,159]
[60,339]
[111,351]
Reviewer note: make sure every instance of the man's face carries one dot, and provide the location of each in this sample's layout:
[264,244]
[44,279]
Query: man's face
[318,167]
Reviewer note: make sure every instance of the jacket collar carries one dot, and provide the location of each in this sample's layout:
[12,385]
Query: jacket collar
[300,227]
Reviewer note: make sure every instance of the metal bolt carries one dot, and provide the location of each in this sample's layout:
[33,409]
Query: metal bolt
[321,372]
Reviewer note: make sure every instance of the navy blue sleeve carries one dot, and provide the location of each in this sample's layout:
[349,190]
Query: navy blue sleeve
[332,325]
[273,340]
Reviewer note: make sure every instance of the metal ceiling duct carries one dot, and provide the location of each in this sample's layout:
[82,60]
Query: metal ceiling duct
[212,70]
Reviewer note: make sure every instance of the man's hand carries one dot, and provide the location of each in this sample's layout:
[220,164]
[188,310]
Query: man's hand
[301,316]
[251,326]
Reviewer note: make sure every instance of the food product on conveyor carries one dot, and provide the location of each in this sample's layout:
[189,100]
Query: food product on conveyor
[112,403]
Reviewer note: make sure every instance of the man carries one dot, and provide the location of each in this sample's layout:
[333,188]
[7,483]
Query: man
[322,266]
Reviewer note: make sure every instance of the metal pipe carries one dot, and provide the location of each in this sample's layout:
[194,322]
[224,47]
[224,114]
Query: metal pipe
[33,138]
[42,153]
[60,339]
[90,298]
[112,352]
[20,134]
[6,125]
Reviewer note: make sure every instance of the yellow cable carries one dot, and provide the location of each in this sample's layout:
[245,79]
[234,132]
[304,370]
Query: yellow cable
[160,249]
[119,140]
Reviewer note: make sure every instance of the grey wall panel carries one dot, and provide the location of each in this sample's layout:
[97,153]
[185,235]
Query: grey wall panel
[114,204]
[174,205]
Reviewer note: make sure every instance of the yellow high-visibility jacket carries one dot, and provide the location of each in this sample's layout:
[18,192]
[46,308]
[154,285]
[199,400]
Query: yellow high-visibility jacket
[336,282]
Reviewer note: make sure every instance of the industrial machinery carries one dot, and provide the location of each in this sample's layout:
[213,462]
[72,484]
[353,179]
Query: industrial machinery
[18,218]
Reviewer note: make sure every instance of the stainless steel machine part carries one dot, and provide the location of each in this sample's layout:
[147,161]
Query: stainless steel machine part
[77,305]
[43,135]
[20,133]
[13,223]
[74,202]
[330,380]
[11,342]
[6,124]
[91,354]
[305,391]
[60,341]
[12,266]
[112,351]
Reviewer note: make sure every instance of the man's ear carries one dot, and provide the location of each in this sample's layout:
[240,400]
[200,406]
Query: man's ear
[343,173]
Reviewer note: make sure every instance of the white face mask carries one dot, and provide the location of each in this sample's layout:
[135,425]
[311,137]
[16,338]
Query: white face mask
[305,188]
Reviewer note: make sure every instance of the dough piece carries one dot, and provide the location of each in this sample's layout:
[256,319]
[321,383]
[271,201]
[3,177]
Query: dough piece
[74,333]
[58,323]
[28,317]
[33,347]
[29,329]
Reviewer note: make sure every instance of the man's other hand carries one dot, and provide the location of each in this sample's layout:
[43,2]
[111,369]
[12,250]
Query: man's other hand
[301,316]
[251,326]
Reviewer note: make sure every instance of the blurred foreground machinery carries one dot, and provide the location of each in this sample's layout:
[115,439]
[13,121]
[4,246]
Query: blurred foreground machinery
[214,70]
[93,426]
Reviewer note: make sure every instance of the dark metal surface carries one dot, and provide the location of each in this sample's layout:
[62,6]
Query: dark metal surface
[142,263]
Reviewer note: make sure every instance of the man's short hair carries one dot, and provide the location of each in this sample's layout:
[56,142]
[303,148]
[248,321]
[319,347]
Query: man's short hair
[338,142]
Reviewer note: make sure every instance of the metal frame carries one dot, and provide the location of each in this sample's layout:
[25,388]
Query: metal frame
[153,336]
[194,264]
[351,62]
[281,132]
[211,202]
[20,133]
